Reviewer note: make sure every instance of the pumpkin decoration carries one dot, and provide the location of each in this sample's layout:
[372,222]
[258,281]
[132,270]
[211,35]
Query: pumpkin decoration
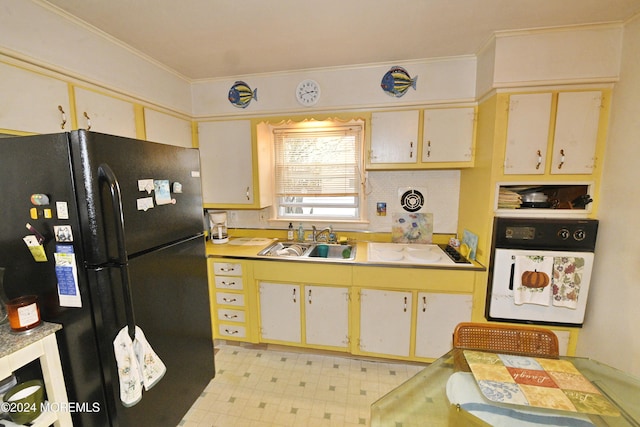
[535,279]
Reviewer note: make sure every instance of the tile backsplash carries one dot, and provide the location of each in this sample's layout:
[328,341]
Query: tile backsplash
[441,197]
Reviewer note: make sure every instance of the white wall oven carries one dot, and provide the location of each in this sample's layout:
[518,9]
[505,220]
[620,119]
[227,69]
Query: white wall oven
[540,270]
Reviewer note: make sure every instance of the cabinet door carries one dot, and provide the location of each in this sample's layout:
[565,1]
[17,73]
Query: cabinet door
[437,317]
[385,322]
[32,102]
[448,135]
[167,129]
[327,316]
[280,312]
[105,114]
[226,162]
[527,133]
[576,133]
[394,137]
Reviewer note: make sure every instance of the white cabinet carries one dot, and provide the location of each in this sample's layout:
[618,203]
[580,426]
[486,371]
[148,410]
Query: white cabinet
[33,102]
[167,129]
[326,316]
[325,310]
[448,135]
[577,118]
[527,133]
[229,300]
[104,114]
[576,132]
[232,173]
[385,322]
[394,137]
[436,318]
[280,312]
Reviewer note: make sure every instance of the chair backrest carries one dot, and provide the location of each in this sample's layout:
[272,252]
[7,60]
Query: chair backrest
[520,340]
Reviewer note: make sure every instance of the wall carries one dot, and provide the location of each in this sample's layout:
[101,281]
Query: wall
[441,190]
[36,32]
[610,332]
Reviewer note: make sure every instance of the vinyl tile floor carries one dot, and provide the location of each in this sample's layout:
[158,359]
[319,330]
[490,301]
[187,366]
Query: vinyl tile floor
[262,387]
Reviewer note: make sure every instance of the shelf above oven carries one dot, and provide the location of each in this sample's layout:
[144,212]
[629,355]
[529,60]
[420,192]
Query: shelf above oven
[544,199]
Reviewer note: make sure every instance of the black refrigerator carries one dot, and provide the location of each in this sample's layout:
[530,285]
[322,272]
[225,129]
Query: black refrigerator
[108,233]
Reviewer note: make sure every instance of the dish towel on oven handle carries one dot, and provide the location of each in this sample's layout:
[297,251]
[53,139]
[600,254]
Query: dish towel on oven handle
[138,365]
[528,269]
[567,277]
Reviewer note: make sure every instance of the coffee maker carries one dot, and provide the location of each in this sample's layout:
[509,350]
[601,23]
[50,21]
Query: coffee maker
[218,224]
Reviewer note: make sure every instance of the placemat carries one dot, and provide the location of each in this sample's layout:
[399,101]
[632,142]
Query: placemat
[536,381]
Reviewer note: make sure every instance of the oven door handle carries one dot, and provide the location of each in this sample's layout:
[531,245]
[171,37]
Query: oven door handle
[513,272]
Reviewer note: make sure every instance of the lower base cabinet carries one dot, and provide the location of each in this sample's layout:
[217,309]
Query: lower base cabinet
[322,312]
[436,317]
[385,322]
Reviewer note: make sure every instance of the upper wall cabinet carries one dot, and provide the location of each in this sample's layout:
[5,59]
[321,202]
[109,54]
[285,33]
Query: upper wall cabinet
[167,129]
[232,174]
[394,137]
[445,140]
[33,102]
[531,117]
[104,114]
[448,135]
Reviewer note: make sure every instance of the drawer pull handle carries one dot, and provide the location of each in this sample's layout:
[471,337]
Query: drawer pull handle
[424,304]
[248,198]
[309,296]
[225,299]
[405,304]
[428,148]
[86,116]
[561,159]
[228,283]
[231,332]
[63,117]
[227,269]
[294,295]
[232,316]
[539,160]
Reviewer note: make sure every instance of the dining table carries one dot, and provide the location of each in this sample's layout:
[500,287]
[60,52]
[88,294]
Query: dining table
[426,400]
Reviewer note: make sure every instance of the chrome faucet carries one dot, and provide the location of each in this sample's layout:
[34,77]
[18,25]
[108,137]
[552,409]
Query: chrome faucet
[316,234]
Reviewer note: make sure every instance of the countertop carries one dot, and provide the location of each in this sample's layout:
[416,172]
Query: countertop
[10,341]
[248,248]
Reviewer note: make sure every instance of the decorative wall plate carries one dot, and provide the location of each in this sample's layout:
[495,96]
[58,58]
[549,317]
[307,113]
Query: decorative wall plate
[397,81]
[240,94]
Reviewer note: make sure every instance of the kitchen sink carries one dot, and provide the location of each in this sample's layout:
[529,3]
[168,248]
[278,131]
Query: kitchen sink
[295,250]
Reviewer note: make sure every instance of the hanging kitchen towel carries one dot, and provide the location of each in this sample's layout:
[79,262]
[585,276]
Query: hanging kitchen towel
[567,276]
[532,277]
[128,369]
[151,367]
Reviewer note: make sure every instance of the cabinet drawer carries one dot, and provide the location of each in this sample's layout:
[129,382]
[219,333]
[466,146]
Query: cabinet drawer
[231,315]
[227,268]
[224,298]
[229,282]
[232,331]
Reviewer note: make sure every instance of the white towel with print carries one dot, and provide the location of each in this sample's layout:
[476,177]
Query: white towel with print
[526,295]
[138,365]
[567,277]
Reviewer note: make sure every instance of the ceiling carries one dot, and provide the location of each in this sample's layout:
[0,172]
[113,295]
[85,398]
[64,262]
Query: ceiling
[202,39]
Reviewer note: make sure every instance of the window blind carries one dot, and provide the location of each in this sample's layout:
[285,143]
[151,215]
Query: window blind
[318,162]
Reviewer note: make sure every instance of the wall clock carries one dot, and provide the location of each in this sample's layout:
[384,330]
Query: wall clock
[308,92]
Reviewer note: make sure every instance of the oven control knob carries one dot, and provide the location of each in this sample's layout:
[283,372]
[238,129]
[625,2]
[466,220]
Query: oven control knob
[579,234]
[564,234]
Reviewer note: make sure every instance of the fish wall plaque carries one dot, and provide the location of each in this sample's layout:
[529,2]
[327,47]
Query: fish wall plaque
[397,81]
[240,94]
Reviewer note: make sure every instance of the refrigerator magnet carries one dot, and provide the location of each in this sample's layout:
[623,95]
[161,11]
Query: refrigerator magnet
[36,248]
[163,194]
[145,203]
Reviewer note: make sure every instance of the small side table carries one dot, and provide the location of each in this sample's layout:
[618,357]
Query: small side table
[19,349]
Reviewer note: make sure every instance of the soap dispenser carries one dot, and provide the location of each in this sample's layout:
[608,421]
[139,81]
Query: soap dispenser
[290,233]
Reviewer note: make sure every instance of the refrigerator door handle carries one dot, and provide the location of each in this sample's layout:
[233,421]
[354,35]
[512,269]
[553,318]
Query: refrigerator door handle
[106,175]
